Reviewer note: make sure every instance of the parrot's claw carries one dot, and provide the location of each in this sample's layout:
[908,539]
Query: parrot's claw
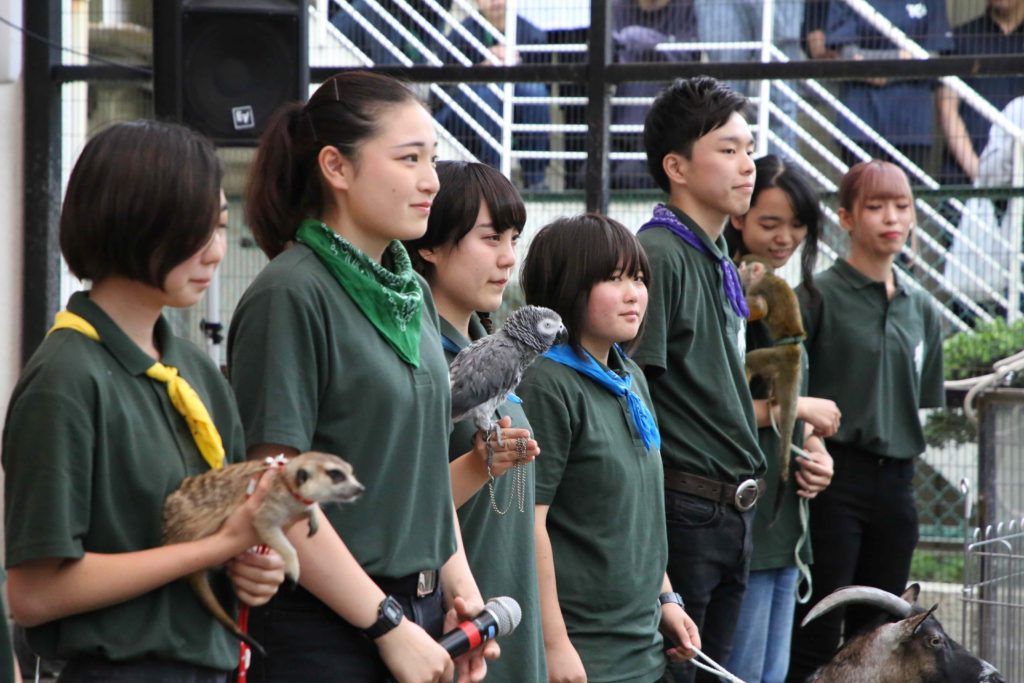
[495,431]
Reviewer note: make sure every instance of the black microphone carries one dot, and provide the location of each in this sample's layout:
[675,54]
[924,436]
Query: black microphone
[499,618]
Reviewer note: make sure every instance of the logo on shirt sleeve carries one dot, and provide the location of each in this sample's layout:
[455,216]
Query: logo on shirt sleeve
[919,357]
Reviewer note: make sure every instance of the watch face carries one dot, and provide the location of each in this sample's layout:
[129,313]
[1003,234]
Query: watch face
[391,610]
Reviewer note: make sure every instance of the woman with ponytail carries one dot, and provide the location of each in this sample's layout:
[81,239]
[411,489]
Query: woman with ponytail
[336,347]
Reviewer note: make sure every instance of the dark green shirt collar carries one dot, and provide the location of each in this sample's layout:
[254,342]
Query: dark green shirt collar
[121,347]
[717,248]
[476,331]
[858,280]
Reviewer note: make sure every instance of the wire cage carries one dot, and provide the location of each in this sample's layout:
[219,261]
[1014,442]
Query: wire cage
[993,596]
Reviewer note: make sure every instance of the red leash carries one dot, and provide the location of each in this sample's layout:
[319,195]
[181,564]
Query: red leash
[244,652]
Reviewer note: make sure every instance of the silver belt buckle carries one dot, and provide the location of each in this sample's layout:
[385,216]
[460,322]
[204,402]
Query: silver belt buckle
[426,582]
[746,495]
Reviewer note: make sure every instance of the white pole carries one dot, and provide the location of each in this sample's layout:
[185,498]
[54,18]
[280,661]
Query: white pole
[213,318]
[507,112]
[765,89]
[1016,211]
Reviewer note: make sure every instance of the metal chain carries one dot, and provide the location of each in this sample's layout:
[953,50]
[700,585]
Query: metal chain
[518,474]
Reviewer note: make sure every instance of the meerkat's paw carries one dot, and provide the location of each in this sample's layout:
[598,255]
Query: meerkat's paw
[314,520]
[291,568]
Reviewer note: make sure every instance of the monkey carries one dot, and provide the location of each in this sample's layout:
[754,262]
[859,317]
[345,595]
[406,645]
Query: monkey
[772,301]
[201,504]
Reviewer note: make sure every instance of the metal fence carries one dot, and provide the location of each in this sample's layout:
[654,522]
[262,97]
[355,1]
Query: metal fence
[993,596]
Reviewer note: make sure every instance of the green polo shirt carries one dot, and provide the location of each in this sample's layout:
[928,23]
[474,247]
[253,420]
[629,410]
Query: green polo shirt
[500,548]
[91,449]
[606,518]
[310,371]
[774,543]
[692,352]
[879,360]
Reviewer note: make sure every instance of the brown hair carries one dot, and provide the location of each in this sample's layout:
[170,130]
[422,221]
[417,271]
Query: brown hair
[142,198]
[464,185]
[571,255]
[872,179]
[285,183]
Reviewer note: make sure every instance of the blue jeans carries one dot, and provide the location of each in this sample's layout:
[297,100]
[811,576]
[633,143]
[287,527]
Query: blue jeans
[760,647]
[721,21]
[533,169]
[709,547]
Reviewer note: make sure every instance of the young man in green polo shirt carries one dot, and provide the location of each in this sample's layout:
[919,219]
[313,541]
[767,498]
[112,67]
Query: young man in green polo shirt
[699,151]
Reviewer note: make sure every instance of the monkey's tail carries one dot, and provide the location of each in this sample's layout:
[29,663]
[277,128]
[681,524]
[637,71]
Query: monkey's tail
[205,594]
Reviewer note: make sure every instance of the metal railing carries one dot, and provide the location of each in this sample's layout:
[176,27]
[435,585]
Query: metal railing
[993,596]
[944,287]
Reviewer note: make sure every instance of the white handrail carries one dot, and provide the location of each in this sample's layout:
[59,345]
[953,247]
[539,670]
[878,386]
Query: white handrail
[768,52]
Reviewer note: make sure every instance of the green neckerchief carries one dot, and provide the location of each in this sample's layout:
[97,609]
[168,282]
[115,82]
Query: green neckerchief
[391,301]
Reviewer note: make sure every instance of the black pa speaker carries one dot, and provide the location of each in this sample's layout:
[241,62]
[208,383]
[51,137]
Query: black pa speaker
[223,66]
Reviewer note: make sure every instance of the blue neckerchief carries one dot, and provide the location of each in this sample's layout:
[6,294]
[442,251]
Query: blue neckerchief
[618,386]
[451,347]
[665,218]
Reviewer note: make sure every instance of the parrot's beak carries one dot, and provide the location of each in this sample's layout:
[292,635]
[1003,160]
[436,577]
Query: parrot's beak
[563,335]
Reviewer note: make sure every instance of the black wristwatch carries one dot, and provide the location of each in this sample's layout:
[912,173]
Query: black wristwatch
[389,615]
[671,597]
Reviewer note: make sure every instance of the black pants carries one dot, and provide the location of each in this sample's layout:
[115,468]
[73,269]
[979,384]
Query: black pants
[709,548]
[307,641]
[99,670]
[863,532]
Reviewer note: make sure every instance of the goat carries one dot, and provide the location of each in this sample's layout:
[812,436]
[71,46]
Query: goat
[912,649]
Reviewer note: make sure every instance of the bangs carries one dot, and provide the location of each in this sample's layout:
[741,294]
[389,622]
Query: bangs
[873,179]
[628,253]
[506,206]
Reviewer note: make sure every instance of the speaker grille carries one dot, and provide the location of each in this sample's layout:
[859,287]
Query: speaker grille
[234,62]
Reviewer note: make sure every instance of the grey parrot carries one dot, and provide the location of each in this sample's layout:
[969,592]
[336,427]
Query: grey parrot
[485,372]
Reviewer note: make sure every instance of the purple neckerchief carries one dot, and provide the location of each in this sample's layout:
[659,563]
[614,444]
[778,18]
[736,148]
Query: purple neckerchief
[665,218]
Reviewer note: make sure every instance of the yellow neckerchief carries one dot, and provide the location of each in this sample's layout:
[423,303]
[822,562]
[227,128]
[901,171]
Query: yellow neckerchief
[183,397]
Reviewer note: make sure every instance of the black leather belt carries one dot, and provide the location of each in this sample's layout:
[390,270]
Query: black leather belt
[742,496]
[420,584]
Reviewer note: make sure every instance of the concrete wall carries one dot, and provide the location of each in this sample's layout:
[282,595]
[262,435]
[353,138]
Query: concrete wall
[11,135]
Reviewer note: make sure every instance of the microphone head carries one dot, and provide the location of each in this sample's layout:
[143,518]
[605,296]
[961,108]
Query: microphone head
[506,611]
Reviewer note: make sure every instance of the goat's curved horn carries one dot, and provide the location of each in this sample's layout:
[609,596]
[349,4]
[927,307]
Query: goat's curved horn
[860,595]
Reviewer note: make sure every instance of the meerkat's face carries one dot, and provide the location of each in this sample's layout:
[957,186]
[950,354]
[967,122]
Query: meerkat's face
[324,478]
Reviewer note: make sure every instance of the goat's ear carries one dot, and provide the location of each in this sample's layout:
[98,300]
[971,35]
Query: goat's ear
[914,623]
[911,594]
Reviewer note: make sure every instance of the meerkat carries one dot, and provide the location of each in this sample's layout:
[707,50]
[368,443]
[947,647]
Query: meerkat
[201,504]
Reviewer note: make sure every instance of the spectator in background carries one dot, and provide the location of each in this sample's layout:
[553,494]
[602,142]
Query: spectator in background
[638,26]
[999,31]
[384,52]
[492,38]
[813,31]
[987,224]
[901,111]
[721,21]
